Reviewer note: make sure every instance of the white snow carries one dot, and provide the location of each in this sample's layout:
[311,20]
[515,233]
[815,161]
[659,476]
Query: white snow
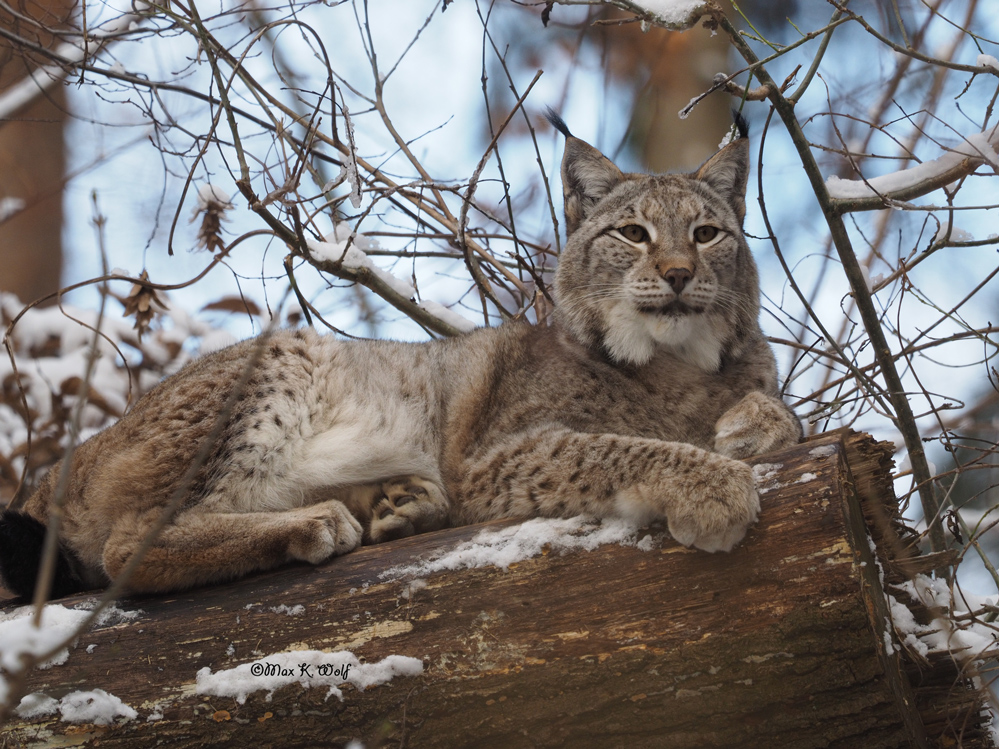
[765,476]
[296,610]
[210,196]
[9,207]
[451,317]
[335,249]
[823,451]
[975,146]
[675,14]
[310,668]
[987,61]
[349,169]
[504,547]
[36,705]
[51,350]
[19,636]
[889,644]
[351,257]
[805,478]
[413,587]
[95,706]
[965,639]
[957,234]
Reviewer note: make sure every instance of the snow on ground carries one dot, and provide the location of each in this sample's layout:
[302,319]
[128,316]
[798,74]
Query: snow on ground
[310,668]
[501,548]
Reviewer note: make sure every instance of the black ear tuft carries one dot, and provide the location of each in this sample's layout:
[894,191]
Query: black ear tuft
[740,123]
[557,122]
[22,539]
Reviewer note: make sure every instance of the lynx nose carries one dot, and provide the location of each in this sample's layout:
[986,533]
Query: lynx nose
[677,278]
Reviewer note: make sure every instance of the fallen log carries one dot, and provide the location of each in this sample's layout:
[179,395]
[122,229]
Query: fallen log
[786,641]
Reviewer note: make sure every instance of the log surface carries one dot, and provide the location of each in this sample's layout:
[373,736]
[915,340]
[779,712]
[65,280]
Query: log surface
[780,643]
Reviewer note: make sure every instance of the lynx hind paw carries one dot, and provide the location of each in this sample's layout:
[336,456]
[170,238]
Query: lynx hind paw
[718,512]
[322,531]
[408,505]
[757,424]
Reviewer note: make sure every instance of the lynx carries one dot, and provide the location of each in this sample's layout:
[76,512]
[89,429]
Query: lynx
[640,399]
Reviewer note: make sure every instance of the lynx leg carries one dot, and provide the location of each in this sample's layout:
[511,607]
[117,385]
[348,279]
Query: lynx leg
[200,548]
[708,500]
[757,424]
[407,506]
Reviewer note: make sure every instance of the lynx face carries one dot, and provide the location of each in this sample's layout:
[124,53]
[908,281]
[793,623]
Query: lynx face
[658,260]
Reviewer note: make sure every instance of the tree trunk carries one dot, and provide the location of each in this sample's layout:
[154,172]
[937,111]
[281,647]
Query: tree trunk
[32,161]
[780,643]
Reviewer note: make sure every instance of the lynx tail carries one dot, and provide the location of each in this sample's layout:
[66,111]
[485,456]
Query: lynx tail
[21,541]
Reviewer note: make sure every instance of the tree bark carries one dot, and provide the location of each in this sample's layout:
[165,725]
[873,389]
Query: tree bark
[780,643]
[32,161]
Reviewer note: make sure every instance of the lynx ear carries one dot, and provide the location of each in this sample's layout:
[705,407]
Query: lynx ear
[728,171]
[587,176]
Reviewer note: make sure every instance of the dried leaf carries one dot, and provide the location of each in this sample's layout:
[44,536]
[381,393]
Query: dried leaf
[234,304]
[142,301]
[212,205]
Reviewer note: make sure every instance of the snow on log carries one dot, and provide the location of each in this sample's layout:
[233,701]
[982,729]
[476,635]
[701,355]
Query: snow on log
[543,634]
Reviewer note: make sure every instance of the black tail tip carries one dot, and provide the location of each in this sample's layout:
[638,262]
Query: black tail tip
[740,123]
[22,539]
[557,122]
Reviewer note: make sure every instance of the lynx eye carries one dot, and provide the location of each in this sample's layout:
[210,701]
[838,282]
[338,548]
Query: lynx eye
[634,233]
[704,234]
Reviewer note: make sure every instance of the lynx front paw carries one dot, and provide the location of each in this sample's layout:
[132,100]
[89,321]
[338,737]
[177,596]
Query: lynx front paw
[717,508]
[757,424]
[409,505]
[322,531]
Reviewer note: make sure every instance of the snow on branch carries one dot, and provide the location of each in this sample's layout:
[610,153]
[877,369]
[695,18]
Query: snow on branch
[879,192]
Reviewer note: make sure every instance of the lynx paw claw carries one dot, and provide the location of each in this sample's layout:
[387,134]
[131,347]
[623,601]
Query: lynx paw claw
[719,511]
[409,505]
[757,424]
[324,530]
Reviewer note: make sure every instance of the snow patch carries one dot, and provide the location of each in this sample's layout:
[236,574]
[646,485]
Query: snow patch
[976,146]
[36,705]
[451,317]
[296,610]
[964,637]
[212,197]
[823,451]
[10,207]
[95,706]
[20,637]
[987,61]
[310,668]
[765,475]
[675,14]
[529,539]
